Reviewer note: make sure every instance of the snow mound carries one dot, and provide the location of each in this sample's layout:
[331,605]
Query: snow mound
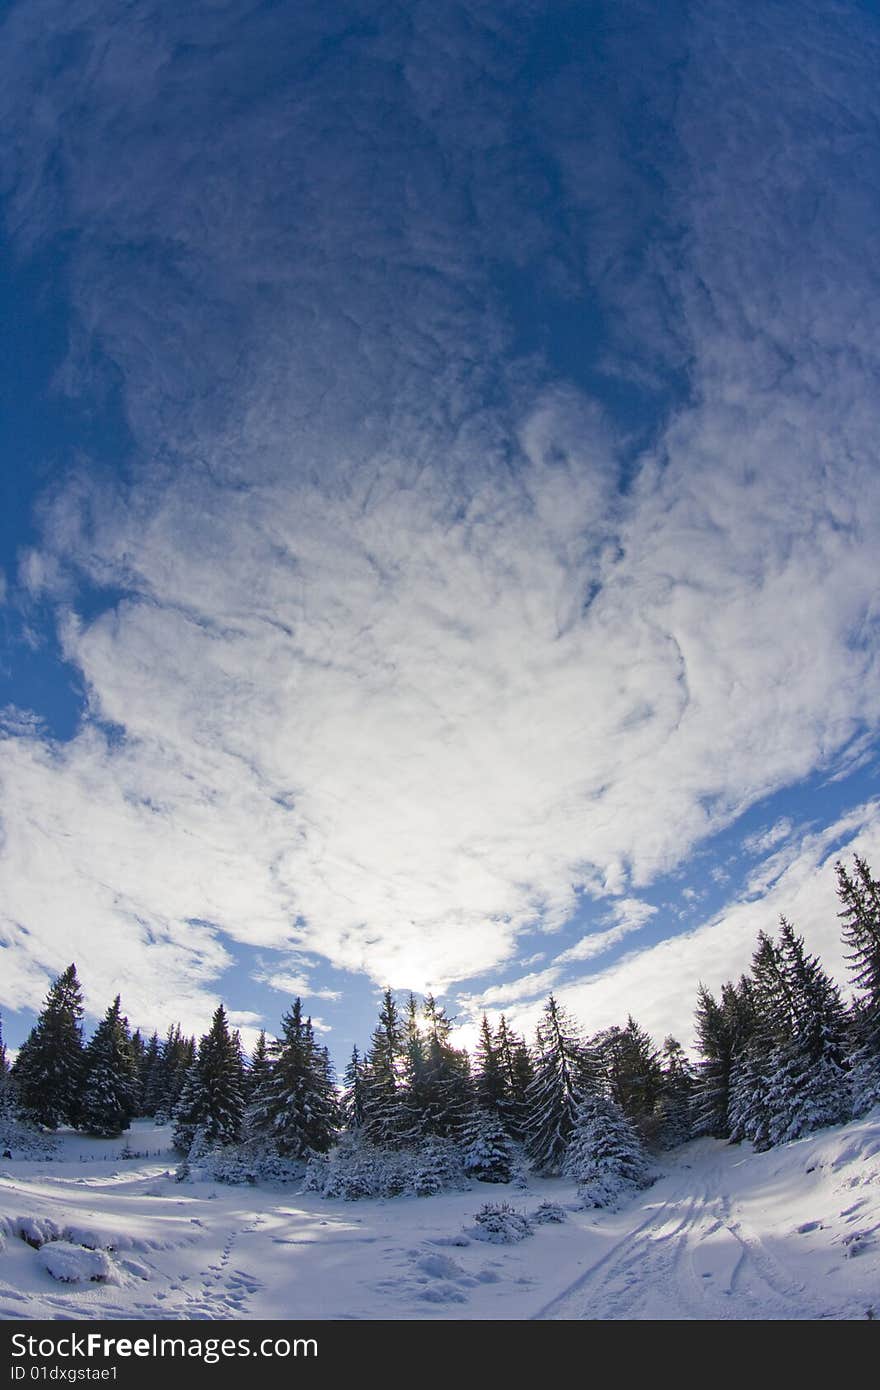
[440,1267]
[74,1264]
[443,1293]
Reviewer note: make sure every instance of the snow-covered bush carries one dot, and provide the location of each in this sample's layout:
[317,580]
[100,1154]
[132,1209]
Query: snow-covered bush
[605,1155]
[548,1213]
[501,1224]
[238,1164]
[357,1169]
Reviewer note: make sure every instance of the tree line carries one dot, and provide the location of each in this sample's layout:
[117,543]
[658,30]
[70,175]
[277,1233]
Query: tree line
[781,1054]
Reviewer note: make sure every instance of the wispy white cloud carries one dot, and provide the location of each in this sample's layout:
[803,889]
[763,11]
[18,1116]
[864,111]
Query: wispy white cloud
[629,915]
[496,997]
[294,983]
[659,984]
[763,840]
[17,721]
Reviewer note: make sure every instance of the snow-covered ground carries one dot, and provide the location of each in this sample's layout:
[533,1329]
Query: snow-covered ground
[724,1233]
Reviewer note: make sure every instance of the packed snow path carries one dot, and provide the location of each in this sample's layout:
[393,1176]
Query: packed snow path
[690,1257]
[723,1234]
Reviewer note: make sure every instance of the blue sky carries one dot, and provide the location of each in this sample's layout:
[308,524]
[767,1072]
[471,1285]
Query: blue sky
[440,501]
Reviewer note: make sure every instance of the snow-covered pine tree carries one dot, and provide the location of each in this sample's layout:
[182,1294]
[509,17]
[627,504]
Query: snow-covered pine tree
[259,1068]
[859,894]
[716,1028]
[187,1052]
[604,1156]
[295,1112]
[211,1099]
[491,1083]
[352,1103]
[138,1052]
[519,1073]
[386,1121]
[187,1111]
[48,1068]
[177,1057]
[754,1031]
[564,1074]
[241,1066]
[809,1087]
[674,1103]
[325,1116]
[631,1074]
[486,1148]
[147,1074]
[749,1109]
[412,1093]
[445,1092]
[109,1093]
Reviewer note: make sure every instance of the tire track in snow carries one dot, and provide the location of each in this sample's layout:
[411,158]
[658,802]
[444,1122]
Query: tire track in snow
[640,1255]
[651,1271]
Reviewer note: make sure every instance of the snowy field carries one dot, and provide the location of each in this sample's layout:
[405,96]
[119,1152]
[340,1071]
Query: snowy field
[724,1233]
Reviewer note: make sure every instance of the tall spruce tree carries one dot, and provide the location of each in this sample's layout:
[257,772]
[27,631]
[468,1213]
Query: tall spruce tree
[859,894]
[446,1095]
[387,1118]
[49,1067]
[352,1103]
[491,1082]
[178,1054]
[259,1068]
[139,1052]
[296,1109]
[755,1031]
[809,1087]
[148,1073]
[519,1073]
[631,1073]
[412,1093]
[564,1075]
[110,1088]
[717,1025]
[211,1100]
[676,1091]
